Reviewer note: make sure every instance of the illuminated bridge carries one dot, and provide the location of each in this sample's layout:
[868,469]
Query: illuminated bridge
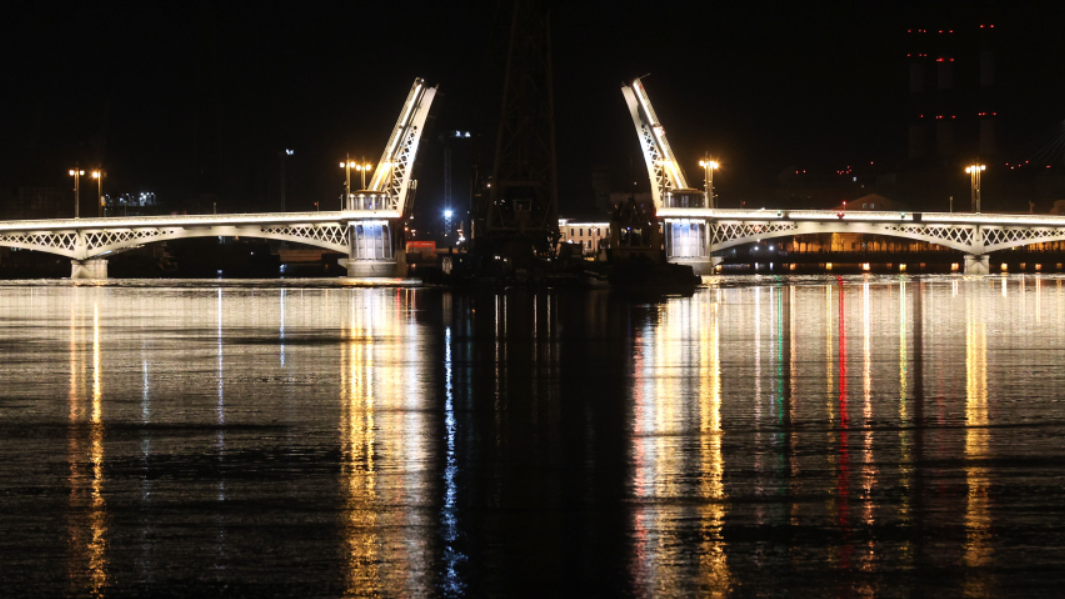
[693,235]
[369,231]
[364,235]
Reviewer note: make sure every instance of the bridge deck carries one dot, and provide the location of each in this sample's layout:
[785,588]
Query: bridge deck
[196,220]
[766,214]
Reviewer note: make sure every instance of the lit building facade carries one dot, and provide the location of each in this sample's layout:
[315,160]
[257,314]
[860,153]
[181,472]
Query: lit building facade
[586,233]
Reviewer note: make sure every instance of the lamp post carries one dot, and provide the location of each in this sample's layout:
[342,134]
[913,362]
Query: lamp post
[99,176]
[974,177]
[346,165]
[282,155]
[363,168]
[709,166]
[77,173]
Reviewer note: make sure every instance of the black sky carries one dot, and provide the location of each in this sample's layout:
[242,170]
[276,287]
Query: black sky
[763,85]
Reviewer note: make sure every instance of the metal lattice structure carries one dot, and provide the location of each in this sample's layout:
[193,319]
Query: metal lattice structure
[1001,238]
[94,239]
[392,176]
[951,234]
[974,234]
[88,239]
[662,167]
[723,233]
[523,198]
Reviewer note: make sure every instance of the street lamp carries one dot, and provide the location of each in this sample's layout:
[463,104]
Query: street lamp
[77,173]
[363,168]
[346,165]
[974,175]
[99,176]
[284,186]
[708,187]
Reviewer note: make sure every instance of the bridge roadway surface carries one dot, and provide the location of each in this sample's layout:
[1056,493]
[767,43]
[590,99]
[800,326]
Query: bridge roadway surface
[88,239]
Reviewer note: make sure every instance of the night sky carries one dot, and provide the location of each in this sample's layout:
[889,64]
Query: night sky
[762,85]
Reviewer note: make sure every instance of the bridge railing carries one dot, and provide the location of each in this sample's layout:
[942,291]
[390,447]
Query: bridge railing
[769,214]
[187,220]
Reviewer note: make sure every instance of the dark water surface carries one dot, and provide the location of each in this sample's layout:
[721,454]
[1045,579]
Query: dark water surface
[875,436]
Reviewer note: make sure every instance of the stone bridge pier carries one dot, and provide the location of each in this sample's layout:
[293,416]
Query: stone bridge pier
[88,269]
[977,265]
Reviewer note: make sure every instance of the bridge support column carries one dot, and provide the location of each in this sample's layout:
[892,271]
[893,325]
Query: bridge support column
[977,265]
[686,243]
[373,250]
[397,267]
[700,266]
[88,269]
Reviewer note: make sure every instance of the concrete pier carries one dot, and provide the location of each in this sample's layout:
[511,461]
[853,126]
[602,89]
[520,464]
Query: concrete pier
[977,265]
[88,269]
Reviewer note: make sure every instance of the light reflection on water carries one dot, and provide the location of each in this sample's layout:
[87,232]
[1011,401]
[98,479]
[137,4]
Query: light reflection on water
[864,435]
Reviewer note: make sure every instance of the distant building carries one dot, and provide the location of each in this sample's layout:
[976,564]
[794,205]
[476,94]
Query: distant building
[872,202]
[585,232]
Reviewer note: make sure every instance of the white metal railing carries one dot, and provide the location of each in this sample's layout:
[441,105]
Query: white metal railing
[192,220]
[767,214]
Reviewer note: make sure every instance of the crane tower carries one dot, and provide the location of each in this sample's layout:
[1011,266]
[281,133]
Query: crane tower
[519,215]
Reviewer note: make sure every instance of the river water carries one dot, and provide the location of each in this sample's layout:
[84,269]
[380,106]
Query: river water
[856,436]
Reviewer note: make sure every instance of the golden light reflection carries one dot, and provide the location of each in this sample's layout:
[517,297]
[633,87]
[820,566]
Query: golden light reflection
[686,338]
[359,472]
[977,520]
[906,463]
[97,513]
[869,469]
[87,538]
[713,554]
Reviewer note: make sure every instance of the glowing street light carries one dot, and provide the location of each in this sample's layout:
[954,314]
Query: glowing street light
[77,173]
[709,166]
[99,176]
[974,176]
[363,169]
[346,165]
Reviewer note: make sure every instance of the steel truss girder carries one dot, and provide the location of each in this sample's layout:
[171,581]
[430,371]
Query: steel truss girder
[393,173]
[662,167]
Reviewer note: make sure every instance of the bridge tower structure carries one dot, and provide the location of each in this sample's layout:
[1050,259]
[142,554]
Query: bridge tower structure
[686,240]
[376,245]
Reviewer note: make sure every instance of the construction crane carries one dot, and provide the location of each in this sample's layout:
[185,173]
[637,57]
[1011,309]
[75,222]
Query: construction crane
[391,182]
[518,217]
[662,167]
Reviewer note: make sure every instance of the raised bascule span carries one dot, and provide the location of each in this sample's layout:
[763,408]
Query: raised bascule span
[369,231]
[694,231]
[685,238]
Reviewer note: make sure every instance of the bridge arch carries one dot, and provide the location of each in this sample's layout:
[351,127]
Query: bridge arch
[89,244]
[1004,238]
[724,234]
